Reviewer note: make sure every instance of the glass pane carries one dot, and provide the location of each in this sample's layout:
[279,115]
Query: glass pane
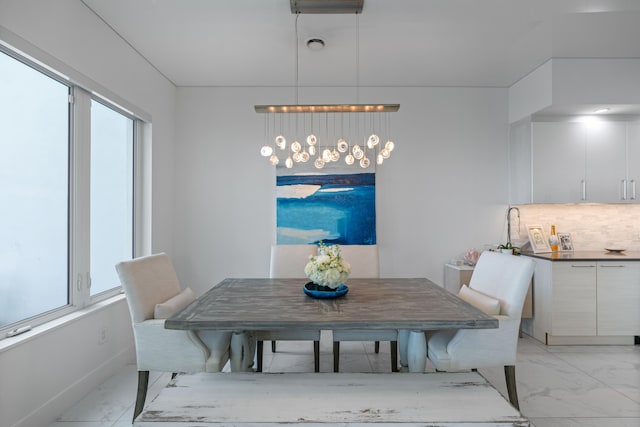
[111,195]
[34,162]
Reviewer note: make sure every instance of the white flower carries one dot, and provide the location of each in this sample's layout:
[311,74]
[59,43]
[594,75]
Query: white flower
[328,268]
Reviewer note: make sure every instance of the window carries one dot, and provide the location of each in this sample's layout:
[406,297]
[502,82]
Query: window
[111,194]
[34,171]
[66,194]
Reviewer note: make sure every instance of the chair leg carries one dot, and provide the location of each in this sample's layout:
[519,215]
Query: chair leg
[316,356]
[259,351]
[336,356]
[141,395]
[273,346]
[510,377]
[394,356]
[377,347]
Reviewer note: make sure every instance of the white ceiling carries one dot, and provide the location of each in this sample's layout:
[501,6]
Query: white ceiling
[489,43]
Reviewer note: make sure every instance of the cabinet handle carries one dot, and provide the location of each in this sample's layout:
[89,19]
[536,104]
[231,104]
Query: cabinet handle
[612,266]
[582,266]
[633,189]
[624,189]
[583,184]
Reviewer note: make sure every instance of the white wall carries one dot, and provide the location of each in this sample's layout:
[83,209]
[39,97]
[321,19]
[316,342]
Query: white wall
[45,374]
[444,189]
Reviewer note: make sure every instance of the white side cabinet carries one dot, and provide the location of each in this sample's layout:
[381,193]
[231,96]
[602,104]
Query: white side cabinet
[618,298]
[455,276]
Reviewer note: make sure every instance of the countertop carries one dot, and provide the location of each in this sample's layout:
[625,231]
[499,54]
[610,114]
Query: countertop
[587,256]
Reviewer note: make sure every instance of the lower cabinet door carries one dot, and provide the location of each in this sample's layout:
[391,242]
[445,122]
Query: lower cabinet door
[618,298]
[574,299]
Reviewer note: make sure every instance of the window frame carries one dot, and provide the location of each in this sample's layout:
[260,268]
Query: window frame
[78,192]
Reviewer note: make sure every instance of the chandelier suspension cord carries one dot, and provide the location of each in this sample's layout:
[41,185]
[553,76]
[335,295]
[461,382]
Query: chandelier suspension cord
[357,59]
[296,56]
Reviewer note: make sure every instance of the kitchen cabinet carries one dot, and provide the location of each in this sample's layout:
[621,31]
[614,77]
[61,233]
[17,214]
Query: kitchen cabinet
[579,162]
[559,160]
[606,159]
[618,296]
[633,162]
[585,301]
[573,299]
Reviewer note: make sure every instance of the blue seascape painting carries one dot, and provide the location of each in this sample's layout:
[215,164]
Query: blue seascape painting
[334,208]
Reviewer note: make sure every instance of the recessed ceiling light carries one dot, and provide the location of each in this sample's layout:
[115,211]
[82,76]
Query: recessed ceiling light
[602,110]
[315,43]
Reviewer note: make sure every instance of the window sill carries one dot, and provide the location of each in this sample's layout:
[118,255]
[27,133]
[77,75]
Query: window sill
[11,342]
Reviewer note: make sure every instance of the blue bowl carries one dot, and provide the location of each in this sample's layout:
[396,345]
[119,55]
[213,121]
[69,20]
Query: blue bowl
[311,290]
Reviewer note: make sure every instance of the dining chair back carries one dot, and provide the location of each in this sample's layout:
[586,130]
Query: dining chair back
[365,264]
[288,262]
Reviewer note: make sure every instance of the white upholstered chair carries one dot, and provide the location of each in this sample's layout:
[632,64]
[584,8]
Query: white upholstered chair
[153,294]
[364,264]
[288,261]
[498,286]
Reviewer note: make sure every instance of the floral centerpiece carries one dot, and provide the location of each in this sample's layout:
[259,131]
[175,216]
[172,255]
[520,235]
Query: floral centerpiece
[328,268]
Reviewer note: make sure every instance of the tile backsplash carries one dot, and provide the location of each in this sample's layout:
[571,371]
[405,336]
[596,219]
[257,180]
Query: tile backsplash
[592,226]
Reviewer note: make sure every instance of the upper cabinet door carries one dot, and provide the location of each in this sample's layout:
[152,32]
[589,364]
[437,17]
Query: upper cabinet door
[606,174]
[633,162]
[559,159]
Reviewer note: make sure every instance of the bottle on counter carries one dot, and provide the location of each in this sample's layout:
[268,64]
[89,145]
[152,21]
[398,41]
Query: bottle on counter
[553,239]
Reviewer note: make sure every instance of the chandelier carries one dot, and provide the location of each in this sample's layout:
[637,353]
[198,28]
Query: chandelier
[320,134]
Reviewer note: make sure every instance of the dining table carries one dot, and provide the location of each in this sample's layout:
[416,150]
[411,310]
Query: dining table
[410,305]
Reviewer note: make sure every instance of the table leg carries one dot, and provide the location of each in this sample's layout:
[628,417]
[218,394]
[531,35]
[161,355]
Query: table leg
[417,351]
[403,341]
[241,352]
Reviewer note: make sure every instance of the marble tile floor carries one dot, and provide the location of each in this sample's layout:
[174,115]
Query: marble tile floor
[560,386]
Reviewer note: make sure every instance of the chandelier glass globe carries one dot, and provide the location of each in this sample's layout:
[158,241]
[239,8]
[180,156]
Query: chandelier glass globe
[342,145]
[266,150]
[389,145]
[281,142]
[349,159]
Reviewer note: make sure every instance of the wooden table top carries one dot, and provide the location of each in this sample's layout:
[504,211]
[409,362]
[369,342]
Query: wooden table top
[280,304]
